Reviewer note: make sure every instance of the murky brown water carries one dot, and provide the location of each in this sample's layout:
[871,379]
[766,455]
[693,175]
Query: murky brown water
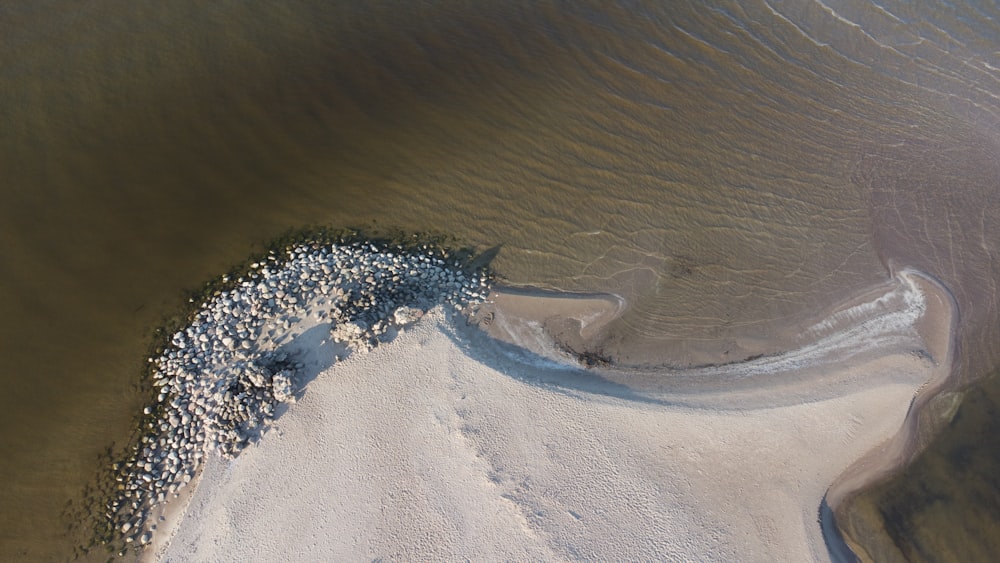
[731,170]
[944,506]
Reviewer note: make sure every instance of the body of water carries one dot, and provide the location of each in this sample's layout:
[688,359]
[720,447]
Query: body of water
[730,168]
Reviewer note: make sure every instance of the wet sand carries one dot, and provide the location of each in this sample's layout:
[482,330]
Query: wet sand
[937,332]
[455,441]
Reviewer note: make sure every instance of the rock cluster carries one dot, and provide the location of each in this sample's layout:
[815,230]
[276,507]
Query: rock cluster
[221,377]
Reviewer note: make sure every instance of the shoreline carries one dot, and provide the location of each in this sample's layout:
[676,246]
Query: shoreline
[534,364]
[937,328]
[220,382]
[549,325]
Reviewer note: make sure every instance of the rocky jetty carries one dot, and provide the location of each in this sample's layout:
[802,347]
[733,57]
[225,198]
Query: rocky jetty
[220,379]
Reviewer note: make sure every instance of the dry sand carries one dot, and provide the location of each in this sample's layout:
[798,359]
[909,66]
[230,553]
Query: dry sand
[450,444]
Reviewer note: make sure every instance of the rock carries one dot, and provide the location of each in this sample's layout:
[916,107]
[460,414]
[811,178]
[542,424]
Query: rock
[406,315]
[220,394]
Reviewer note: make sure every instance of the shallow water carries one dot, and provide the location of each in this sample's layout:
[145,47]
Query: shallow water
[912,517]
[730,170]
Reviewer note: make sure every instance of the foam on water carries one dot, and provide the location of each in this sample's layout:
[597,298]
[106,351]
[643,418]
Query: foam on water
[880,324]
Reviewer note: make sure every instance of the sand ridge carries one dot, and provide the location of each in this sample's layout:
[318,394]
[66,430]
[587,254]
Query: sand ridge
[449,444]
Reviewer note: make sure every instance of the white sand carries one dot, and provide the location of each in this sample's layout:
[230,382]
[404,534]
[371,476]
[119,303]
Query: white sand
[418,451]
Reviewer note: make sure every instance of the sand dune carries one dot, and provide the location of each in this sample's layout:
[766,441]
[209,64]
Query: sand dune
[448,443]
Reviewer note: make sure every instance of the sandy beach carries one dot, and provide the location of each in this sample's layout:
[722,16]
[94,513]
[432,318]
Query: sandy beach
[488,441]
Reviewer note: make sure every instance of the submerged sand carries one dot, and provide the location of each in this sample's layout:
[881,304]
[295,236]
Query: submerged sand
[452,442]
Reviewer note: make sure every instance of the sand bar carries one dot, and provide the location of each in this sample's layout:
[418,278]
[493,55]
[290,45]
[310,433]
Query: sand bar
[448,443]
